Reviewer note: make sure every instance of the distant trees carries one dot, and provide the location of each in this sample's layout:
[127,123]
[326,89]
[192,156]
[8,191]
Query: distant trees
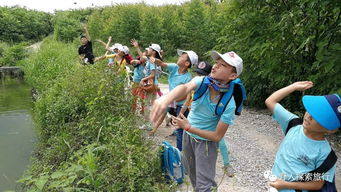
[19,24]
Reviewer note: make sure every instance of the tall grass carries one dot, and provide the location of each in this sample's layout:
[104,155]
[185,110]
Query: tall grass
[88,138]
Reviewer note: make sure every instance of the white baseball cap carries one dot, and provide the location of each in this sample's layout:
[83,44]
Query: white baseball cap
[156,47]
[231,58]
[193,57]
[124,49]
[115,46]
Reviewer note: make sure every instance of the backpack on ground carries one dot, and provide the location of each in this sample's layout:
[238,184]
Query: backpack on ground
[327,164]
[171,163]
[236,89]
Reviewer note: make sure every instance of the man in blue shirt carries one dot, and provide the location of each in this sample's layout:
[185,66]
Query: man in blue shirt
[204,129]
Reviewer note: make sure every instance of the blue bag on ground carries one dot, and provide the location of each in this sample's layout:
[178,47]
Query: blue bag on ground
[171,163]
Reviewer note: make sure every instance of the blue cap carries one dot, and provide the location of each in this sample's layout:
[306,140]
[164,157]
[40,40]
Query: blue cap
[326,110]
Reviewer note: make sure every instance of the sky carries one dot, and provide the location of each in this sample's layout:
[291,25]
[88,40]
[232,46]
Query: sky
[51,5]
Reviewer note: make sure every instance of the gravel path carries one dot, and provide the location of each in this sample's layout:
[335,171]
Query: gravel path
[253,141]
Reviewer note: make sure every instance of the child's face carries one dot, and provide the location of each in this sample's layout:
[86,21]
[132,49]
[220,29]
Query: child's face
[182,60]
[311,125]
[150,52]
[120,53]
[84,40]
[223,71]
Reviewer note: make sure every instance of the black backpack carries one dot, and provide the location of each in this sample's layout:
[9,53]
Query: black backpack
[328,163]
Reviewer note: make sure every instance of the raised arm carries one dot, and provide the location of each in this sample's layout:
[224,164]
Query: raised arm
[135,44]
[87,32]
[278,95]
[160,105]
[158,62]
[102,42]
[108,43]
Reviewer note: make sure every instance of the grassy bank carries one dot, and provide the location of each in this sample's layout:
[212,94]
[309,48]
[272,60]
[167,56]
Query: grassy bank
[88,138]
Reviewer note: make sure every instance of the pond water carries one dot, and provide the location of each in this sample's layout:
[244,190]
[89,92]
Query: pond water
[17,136]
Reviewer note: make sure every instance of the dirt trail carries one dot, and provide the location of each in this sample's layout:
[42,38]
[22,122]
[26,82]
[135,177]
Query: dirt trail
[252,141]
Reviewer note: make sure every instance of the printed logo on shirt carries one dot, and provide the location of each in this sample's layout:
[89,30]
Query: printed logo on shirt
[305,159]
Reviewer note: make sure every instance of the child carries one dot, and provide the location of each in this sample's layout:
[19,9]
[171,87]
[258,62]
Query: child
[153,51]
[113,49]
[304,148]
[178,75]
[204,69]
[139,65]
[85,50]
[204,129]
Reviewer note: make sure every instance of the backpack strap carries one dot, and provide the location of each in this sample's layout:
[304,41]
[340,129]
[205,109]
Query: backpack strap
[202,89]
[327,164]
[239,94]
[292,123]
[237,90]
[224,100]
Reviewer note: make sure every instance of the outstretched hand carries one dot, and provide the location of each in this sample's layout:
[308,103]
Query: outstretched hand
[134,43]
[152,59]
[302,85]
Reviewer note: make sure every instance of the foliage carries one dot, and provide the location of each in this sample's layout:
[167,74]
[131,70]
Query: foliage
[12,55]
[47,66]
[88,135]
[19,24]
[88,138]
[67,24]
[282,42]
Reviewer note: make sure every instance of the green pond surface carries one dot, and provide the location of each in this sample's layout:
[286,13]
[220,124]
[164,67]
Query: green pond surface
[17,136]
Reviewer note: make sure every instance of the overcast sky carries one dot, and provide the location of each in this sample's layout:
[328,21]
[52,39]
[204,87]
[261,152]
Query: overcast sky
[51,5]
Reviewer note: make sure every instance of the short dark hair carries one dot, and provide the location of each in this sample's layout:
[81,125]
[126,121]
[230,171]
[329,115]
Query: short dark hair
[157,55]
[234,69]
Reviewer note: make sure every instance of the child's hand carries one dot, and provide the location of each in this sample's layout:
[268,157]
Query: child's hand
[302,85]
[152,59]
[180,121]
[278,184]
[134,43]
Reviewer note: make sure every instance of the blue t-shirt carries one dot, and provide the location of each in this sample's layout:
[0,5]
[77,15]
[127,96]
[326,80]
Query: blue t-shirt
[175,79]
[298,154]
[138,73]
[202,115]
[147,71]
[111,60]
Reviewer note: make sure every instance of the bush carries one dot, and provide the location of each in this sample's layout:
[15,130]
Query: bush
[88,138]
[19,24]
[12,55]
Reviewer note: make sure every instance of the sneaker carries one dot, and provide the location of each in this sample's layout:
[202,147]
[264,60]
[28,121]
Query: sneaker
[228,169]
[143,127]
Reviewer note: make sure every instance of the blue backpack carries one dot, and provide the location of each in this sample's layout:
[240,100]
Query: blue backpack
[327,164]
[171,163]
[236,89]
